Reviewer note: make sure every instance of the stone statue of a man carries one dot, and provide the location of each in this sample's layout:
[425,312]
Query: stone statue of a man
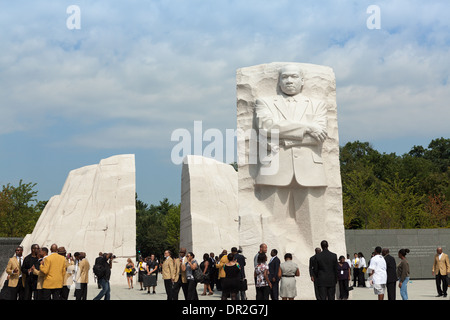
[301,123]
[293,205]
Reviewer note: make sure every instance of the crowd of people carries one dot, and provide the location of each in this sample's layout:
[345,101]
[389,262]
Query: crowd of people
[49,274]
[383,272]
[184,272]
[46,274]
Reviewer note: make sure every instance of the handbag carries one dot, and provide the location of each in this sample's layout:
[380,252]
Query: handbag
[243,285]
[198,275]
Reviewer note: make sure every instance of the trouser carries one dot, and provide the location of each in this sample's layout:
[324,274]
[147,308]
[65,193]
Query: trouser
[17,292]
[262,293]
[316,291]
[361,278]
[327,293]
[274,291]
[355,276]
[176,289]
[212,277]
[51,294]
[38,294]
[81,294]
[65,293]
[241,296]
[404,289]
[30,288]
[343,289]
[168,285]
[106,290]
[440,278]
[192,290]
[219,284]
[391,290]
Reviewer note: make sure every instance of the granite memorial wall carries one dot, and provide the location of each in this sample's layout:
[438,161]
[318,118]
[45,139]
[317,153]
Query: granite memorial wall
[422,244]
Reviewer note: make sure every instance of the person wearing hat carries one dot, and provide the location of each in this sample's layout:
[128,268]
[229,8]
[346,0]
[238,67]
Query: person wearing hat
[54,269]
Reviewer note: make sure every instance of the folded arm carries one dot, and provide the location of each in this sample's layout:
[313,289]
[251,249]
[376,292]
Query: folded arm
[312,130]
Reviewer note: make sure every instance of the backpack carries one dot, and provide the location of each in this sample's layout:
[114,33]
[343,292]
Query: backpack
[99,270]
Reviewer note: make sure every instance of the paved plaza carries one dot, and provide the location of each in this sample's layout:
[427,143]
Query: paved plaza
[417,290]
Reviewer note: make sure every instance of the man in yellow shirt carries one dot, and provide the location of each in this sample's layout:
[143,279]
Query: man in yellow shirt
[223,260]
[54,269]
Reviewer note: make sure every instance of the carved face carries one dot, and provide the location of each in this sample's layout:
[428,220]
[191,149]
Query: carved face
[291,80]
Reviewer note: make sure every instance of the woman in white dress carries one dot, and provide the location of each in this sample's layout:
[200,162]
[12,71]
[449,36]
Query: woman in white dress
[287,272]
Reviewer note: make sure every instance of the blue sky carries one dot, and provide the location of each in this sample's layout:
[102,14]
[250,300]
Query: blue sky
[138,70]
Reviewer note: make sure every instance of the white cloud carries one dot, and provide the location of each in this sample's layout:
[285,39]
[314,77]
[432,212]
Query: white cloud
[135,72]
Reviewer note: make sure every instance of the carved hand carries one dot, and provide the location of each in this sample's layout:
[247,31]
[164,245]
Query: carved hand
[317,132]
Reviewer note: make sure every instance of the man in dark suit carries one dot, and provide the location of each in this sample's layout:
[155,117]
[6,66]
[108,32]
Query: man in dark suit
[311,272]
[391,270]
[243,282]
[325,268]
[212,270]
[31,279]
[274,265]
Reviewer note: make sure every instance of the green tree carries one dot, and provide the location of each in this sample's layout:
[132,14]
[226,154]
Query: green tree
[438,211]
[171,224]
[19,209]
[430,166]
[388,191]
[155,227]
[439,152]
[402,207]
[356,154]
[360,198]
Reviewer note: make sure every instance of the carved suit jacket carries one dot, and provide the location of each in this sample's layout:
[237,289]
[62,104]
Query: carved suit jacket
[299,154]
